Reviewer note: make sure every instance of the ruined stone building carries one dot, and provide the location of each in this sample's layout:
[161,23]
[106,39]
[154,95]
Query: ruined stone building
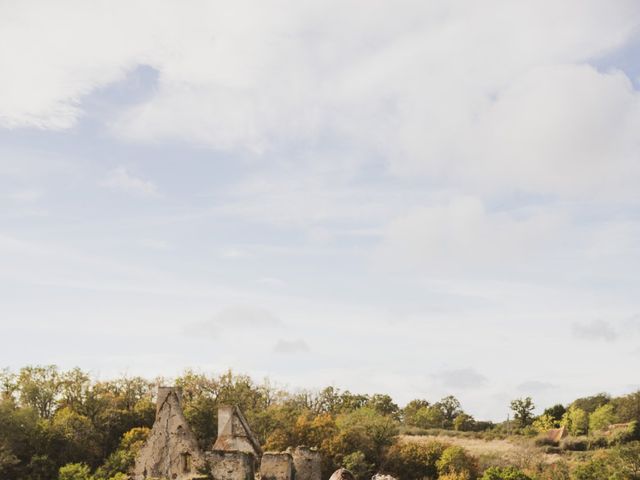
[171,451]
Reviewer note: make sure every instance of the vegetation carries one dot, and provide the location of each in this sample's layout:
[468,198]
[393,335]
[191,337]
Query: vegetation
[63,425]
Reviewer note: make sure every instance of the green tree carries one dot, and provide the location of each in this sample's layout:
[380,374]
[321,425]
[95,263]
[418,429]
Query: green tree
[7,460]
[523,410]
[365,430]
[544,423]
[556,412]
[39,388]
[464,422]
[590,404]
[410,410]
[627,407]
[601,417]
[357,464]
[384,404]
[74,471]
[450,407]
[576,420]
[414,461]
[429,417]
[121,461]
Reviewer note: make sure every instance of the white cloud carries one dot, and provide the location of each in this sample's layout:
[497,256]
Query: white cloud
[535,386]
[463,378]
[121,179]
[595,330]
[445,89]
[463,235]
[236,318]
[29,195]
[291,346]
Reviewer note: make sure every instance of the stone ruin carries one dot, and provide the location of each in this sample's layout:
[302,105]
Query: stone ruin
[171,451]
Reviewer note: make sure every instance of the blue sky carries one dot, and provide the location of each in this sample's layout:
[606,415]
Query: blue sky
[419,198]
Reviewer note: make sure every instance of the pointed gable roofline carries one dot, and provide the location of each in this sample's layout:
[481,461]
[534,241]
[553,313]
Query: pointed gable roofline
[228,437]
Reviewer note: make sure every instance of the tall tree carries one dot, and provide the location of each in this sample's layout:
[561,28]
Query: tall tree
[523,410]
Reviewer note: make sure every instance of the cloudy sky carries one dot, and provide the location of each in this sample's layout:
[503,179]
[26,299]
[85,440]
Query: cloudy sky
[419,198]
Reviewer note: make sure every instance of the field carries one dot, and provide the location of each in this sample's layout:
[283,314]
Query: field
[514,451]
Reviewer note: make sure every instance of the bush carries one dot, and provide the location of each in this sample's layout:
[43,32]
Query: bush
[454,476]
[625,435]
[549,450]
[414,461]
[504,473]
[455,460]
[543,441]
[575,444]
[74,471]
[553,471]
[357,464]
[598,468]
[598,442]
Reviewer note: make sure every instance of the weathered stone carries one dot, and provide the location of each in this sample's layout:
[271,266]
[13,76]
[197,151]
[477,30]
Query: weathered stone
[229,465]
[276,466]
[307,463]
[342,474]
[234,433]
[171,451]
[380,476]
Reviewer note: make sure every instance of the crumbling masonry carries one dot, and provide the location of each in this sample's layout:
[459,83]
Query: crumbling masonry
[171,451]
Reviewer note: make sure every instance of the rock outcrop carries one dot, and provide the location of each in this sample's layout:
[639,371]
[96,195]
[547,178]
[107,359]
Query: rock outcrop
[342,474]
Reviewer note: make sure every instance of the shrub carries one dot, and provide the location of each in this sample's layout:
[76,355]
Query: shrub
[413,461]
[74,471]
[543,441]
[504,473]
[598,468]
[357,464]
[553,471]
[625,435]
[575,444]
[598,442]
[549,450]
[455,460]
[454,476]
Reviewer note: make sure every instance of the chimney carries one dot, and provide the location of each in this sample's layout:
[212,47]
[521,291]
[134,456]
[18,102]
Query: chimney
[225,423]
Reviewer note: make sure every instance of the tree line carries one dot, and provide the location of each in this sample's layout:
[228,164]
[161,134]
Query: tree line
[57,424]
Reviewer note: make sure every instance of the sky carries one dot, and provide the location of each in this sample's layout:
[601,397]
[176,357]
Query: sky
[408,197]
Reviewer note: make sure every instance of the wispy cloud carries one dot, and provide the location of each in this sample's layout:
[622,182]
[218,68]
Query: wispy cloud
[595,330]
[535,386]
[121,179]
[291,346]
[29,195]
[462,378]
[235,318]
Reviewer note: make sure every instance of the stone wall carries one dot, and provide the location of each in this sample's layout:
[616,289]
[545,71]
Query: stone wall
[171,450]
[276,466]
[228,465]
[307,463]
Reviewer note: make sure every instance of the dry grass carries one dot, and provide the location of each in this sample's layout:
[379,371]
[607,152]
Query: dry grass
[517,451]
